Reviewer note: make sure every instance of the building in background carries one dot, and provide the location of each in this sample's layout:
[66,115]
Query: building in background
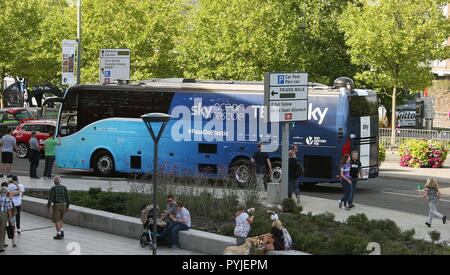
[441,68]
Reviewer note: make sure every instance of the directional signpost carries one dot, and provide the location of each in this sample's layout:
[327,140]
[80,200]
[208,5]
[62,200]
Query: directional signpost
[114,65]
[286,96]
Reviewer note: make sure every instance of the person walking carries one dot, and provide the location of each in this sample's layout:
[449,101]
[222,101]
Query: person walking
[433,195]
[345,181]
[50,152]
[182,223]
[34,155]
[355,174]
[16,191]
[59,198]
[5,216]
[243,222]
[294,174]
[263,165]
[9,145]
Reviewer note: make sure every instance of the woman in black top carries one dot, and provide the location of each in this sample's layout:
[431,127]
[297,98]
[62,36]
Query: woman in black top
[275,239]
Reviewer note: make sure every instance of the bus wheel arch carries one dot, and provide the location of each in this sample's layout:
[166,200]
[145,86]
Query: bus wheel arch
[103,163]
[240,170]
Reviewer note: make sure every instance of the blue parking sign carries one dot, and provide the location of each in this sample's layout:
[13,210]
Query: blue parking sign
[281,79]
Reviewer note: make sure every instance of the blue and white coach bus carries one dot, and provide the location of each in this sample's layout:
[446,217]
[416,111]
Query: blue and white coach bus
[214,129]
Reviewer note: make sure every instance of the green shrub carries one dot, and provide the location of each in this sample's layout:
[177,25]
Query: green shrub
[381,153]
[289,205]
[435,236]
[422,154]
[348,241]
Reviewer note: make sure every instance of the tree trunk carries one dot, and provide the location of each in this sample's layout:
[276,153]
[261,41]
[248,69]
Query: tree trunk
[394,114]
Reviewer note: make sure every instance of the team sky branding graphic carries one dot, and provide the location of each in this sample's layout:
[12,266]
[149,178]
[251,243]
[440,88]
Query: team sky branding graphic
[316,141]
[229,122]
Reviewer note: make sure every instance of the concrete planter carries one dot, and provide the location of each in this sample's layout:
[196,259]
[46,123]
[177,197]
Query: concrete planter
[193,240]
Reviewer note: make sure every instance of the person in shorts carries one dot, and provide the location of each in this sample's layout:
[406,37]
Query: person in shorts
[263,166]
[59,198]
[8,143]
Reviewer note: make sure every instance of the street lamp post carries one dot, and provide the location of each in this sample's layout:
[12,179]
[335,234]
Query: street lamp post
[79,41]
[148,120]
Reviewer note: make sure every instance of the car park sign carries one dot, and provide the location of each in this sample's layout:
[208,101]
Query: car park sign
[286,96]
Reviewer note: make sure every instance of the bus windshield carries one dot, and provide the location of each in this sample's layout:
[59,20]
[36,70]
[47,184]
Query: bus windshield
[361,106]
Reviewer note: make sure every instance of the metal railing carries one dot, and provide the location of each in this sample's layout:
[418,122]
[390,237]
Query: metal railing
[403,134]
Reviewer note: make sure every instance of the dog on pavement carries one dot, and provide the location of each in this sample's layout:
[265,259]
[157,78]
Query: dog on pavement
[242,249]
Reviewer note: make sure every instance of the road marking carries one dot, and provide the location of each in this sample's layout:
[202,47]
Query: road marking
[408,195]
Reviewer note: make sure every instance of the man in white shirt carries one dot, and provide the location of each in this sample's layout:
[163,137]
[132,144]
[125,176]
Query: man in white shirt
[16,191]
[8,143]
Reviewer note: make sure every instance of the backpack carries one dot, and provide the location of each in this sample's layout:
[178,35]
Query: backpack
[287,239]
[300,169]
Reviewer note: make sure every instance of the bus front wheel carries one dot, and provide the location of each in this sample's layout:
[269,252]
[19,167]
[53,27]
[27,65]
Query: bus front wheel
[103,164]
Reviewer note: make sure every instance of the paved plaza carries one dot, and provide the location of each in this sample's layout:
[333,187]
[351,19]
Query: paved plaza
[37,239]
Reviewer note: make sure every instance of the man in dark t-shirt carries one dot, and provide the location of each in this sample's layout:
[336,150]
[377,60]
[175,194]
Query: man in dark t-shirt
[263,165]
[355,173]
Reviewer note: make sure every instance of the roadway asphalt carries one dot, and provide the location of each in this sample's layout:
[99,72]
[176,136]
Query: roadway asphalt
[395,194]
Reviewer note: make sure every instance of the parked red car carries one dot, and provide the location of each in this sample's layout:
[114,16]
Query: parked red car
[10,118]
[23,134]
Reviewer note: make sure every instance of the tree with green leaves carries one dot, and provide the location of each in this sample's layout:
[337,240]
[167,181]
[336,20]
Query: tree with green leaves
[31,32]
[148,28]
[394,41]
[243,39]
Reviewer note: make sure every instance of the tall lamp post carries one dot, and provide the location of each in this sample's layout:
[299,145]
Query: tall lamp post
[79,41]
[148,120]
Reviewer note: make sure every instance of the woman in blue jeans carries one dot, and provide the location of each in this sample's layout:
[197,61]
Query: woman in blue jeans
[346,181]
[182,222]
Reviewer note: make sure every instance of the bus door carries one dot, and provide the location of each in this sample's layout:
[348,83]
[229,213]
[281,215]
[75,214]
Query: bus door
[363,131]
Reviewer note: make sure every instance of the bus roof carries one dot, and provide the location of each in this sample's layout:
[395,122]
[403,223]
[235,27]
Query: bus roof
[197,86]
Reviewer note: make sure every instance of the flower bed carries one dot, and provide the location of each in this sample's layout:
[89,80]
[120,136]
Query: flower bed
[422,154]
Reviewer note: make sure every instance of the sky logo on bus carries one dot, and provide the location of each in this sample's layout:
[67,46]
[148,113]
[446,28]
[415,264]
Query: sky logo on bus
[317,114]
[316,141]
[223,122]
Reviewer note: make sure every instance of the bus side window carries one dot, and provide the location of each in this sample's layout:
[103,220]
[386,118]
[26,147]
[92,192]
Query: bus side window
[205,148]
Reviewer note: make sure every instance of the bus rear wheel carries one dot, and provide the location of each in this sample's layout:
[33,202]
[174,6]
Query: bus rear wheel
[103,164]
[241,172]
[276,171]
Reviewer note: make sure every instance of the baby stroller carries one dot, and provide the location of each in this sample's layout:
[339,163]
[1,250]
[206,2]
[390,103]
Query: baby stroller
[147,222]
